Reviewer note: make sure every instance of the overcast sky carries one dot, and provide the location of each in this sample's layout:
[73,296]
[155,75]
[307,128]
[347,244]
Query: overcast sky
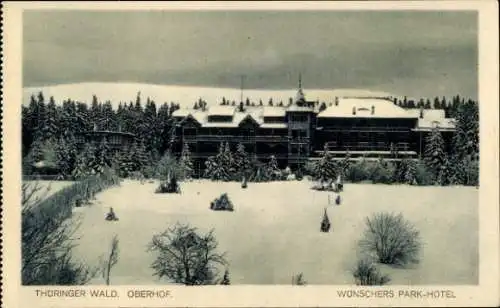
[407,53]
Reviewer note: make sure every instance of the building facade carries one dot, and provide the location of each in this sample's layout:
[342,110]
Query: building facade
[368,127]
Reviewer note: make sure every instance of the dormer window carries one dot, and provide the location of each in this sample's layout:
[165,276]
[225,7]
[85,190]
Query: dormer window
[274,119]
[220,118]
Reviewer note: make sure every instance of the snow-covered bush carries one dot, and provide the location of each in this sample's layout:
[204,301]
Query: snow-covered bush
[391,239]
[367,274]
[222,204]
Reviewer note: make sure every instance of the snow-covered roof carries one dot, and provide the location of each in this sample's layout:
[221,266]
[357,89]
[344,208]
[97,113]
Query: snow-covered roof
[221,110]
[182,112]
[382,109]
[432,118]
[294,107]
[273,111]
[274,125]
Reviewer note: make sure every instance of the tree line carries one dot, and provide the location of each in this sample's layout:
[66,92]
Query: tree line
[45,121]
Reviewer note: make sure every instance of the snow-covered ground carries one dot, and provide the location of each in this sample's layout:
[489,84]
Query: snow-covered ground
[274,231]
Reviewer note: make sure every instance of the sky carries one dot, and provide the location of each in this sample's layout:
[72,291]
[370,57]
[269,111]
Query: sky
[402,52]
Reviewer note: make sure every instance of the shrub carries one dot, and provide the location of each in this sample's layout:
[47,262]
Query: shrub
[358,171]
[225,279]
[222,204]
[298,280]
[422,175]
[171,186]
[391,238]
[382,172]
[325,223]
[299,175]
[366,274]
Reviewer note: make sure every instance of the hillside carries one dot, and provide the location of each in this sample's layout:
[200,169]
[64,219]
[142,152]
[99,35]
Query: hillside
[184,95]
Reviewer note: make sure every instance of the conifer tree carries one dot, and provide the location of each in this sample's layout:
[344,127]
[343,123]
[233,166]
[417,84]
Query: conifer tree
[139,156]
[85,163]
[66,155]
[325,223]
[50,128]
[428,104]
[186,163]
[409,175]
[227,159]
[465,143]
[103,156]
[241,160]
[217,168]
[435,156]
[272,169]
[324,169]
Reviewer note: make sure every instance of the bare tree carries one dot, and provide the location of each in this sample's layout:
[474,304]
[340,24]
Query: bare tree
[393,239]
[111,260]
[185,256]
[47,239]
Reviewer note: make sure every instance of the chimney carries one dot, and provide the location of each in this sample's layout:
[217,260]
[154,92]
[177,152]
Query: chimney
[373,109]
[354,110]
[336,101]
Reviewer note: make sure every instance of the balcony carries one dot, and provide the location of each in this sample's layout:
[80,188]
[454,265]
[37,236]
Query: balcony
[368,146]
[259,155]
[387,128]
[233,138]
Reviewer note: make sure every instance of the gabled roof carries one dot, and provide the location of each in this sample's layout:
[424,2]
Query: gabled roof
[382,109]
[249,117]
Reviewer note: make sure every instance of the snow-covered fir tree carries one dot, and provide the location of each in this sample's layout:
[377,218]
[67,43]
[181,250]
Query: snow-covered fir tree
[139,157]
[324,169]
[227,159]
[219,167]
[86,163]
[185,162]
[66,154]
[103,156]
[241,160]
[435,156]
[464,162]
[272,169]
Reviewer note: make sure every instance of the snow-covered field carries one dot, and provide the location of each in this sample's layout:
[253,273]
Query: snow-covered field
[274,231]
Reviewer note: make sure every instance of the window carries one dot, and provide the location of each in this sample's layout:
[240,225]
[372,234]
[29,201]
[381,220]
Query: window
[274,120]
[299,118]
[115,139]
[189,131]
[219,118]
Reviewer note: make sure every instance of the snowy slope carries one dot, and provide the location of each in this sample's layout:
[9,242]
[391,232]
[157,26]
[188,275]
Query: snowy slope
[184,95]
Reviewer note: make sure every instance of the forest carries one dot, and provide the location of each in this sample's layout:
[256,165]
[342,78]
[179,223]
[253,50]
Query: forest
[49,129]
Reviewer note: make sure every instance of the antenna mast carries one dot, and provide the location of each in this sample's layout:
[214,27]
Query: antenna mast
[241,88]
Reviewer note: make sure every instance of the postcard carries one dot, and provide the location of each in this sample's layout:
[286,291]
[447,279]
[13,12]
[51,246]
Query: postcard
[250,154]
